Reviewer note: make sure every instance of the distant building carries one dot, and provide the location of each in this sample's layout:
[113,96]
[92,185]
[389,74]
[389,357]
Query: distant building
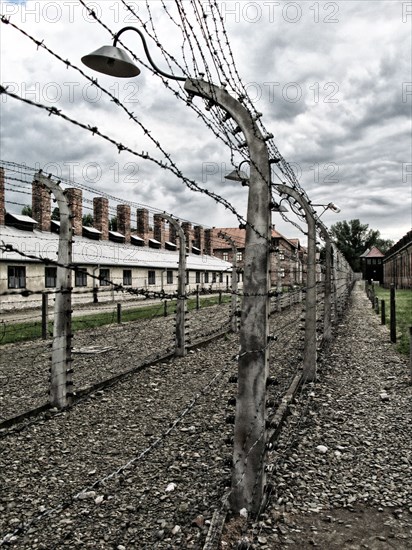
[372,265]
[286,259]
[108,263]
[397,263]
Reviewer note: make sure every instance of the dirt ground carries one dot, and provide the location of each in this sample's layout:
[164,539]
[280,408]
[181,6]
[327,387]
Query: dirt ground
[339,529]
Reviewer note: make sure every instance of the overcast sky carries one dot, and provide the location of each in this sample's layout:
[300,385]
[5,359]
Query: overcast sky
[332,80]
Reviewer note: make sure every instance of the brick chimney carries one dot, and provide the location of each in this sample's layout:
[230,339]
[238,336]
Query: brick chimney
[41,205]
[101,216]
[123,221]
[75,197]
[188,231]
[1,196]
[142,223]
[159,228]
[172,234]
[199,234]
[208,241]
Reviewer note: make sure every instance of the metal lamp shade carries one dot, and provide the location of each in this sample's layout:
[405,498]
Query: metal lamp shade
[111,60]
[237,175]
[276,207]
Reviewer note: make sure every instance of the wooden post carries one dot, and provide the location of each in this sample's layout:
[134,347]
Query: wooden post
[376,304]
[410,354]
[44,315]
[393,314]
[165,308]
[220,297]
[197,298]
[119,313]
[383,316]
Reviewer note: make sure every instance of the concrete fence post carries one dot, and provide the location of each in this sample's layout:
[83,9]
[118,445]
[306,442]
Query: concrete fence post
[327,324]
[61,368]
[310,353]
[119,313]
[248,479]
[234,286]
[180,336]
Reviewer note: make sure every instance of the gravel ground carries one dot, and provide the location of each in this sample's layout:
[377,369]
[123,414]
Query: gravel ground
[343,463]
[147,459]
[24,367]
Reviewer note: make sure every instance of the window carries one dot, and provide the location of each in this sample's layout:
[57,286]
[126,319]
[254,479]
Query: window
[169,277]
[282,272]
[80,278]
[239,256]
[213,277]
[206,277]
[127,277]
[187,277]
[104,277]
[281,256]
[197,276]
[221,277]
[152,277]
[50,277]
[16,277]
[226,256]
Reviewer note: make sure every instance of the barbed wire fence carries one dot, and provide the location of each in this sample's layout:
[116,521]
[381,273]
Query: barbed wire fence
[219,66]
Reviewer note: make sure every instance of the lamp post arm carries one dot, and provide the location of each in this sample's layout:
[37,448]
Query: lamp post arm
[149,57]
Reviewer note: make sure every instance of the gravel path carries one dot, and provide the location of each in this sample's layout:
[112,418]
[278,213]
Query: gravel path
[148,458]
[343,464]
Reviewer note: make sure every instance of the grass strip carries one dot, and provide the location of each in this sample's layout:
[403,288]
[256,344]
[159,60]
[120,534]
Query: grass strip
[20,332]
[403,308]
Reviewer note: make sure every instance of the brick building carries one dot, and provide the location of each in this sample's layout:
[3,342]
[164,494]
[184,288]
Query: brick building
[372,265]
[397,263]
[286,258]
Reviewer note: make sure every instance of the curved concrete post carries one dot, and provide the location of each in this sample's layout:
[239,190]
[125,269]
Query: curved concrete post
[233,282]
[180,340]
[60,378]
[327,326]
[309,353]
[248,477]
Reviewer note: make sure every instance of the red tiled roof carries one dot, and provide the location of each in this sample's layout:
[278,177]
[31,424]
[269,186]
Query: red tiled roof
[373,252]
[239,236]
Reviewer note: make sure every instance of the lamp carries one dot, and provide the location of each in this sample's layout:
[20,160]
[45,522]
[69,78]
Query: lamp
[278,207]
[334,208]
[111,60]
[114,61]
[239,175]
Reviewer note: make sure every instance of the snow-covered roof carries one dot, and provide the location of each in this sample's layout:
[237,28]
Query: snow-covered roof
[91,252]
